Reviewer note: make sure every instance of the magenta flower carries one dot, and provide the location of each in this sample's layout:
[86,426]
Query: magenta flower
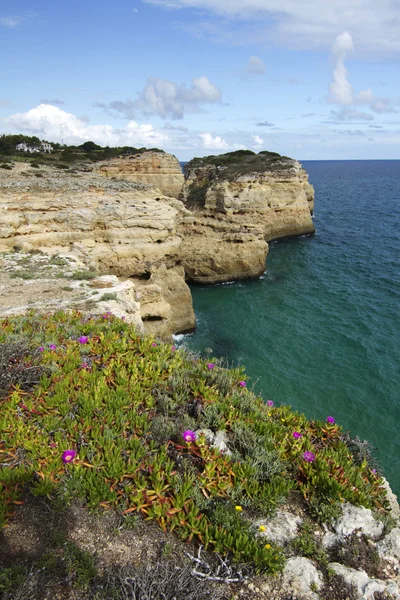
[210,366]
[330,420]
[297,435]
[309,456]
[83,339]
[373,471]
[154,344]
[41,349]
[189,435]
[68,456]
[242,383]
[173,348]
[86,366]
[270,403]
[52,346]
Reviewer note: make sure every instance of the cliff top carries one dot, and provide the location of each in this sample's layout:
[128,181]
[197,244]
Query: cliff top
[93,411]
[233,164]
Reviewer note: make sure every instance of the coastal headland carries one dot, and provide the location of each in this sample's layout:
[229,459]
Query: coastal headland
[202,489]
[138,218]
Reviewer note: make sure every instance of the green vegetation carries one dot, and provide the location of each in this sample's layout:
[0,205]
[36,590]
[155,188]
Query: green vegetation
[101,418]
[63,156]
[108,296]
[84,275]
[233,164]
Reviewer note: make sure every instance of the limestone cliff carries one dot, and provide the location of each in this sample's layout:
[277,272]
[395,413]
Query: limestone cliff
[117,227]
[240,201]
[158,169]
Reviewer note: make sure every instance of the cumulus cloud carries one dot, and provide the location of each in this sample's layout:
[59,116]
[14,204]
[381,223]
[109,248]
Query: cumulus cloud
[120,108]
[258,141]
[301,24]
[168,99]
[255,66]
[340,90]
[213,143]
[52,123]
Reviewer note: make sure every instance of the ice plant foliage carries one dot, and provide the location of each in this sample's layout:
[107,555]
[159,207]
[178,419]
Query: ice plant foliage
[189,435]
[68,456]
[132,412]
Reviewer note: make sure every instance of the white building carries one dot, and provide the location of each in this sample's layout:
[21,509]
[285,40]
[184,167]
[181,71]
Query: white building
[24,147]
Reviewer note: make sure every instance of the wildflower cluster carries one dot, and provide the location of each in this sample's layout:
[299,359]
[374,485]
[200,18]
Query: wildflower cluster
[117,420]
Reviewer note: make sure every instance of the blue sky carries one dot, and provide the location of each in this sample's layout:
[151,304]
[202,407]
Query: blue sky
[307,79]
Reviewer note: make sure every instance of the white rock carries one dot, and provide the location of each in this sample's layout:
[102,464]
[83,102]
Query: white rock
[389,546]
[358,518]
[366,586]
[393,501]
[298,577]
[207,433]
[281,528]
[220,442]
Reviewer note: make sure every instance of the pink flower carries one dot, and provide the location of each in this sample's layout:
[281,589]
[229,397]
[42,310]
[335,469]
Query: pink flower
[297,435]
[270,403]
[85,366]
[242,383]
[173,348]
[41,349]
[309,456]
[68,456]
[83,339]
[154,344]
[189,435]
[330,420]
[52,346]
[210,366]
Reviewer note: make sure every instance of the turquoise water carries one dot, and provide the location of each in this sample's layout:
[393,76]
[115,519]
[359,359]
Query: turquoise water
[321,329]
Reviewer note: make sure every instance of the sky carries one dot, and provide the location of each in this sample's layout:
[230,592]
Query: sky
[310,79]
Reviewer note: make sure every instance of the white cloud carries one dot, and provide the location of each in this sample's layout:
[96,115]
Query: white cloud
[135,10]
[255,66]
[10,22]
[258,141]
[168,99]
[348,114]
[302,24]
[213,143]
[52,123]
[340,90]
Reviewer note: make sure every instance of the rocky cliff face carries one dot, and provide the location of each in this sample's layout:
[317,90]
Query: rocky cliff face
[116,220]
[117,227]
[239,202]
[158,169]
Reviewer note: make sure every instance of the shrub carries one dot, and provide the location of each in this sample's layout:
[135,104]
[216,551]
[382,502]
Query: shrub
[121,402]
[78,275]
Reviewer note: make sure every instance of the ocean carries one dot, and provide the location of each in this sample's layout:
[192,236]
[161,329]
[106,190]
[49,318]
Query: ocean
[321,330]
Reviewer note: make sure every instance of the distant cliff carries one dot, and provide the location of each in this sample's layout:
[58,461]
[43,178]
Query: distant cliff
[124,218]
[158,169]
[240,201]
